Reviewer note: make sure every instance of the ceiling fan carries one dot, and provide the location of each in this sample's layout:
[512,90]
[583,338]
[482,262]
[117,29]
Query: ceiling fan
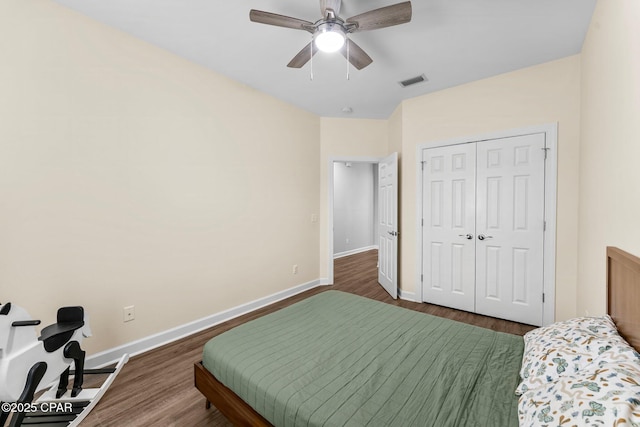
[330,32]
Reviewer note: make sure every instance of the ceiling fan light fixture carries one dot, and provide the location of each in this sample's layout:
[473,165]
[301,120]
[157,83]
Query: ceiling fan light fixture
[329,33]
[329,37]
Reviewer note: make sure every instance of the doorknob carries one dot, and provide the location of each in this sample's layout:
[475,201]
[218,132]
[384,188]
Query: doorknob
[482,237]
[467,236]
[393,233]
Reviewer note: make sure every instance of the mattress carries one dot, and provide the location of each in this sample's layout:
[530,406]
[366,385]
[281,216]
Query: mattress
[337,359]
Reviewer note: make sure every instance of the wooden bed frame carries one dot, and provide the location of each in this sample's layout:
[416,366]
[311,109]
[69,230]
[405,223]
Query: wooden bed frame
[623,293]
[228,403]
[623,300]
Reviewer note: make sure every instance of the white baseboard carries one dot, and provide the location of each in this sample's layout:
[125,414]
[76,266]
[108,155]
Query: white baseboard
[407,296]
[142,345]
[354,251]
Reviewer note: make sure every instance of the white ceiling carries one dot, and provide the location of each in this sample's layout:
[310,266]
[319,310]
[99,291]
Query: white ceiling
[451,42]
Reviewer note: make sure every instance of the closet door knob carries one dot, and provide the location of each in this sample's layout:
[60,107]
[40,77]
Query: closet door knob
[482,237]
[467,236]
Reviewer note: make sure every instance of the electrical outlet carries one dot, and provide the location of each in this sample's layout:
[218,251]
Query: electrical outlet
[295,269]
[347,240]
[128,313]
[314,218]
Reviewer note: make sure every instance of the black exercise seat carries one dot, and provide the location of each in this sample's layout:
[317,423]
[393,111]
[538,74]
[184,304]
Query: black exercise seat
[56,335]
[5,309]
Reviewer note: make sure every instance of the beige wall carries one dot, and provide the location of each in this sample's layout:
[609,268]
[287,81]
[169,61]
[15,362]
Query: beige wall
[344,138]
[395,130]
[610,146]
[129,176]
[546,93]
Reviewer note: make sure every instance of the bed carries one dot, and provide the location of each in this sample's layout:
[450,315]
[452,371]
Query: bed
[337,359]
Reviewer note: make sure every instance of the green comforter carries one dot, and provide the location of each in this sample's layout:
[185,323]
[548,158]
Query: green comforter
[336,359]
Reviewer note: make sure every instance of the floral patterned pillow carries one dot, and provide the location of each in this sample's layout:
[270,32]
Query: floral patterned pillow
[606,394]
[566,348]
[602,326]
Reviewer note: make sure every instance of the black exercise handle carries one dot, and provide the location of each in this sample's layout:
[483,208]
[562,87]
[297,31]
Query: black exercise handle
[26,323]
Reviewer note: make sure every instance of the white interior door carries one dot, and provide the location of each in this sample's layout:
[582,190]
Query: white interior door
[510,227]
[449,226]
[388,224]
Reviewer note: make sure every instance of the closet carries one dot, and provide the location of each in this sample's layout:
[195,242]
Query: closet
[483,224]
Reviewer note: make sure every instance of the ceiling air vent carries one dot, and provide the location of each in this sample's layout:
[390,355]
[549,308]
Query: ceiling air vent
[413,80]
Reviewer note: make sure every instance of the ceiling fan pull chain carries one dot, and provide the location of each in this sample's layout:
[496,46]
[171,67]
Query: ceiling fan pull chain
[348,43]
[311,58]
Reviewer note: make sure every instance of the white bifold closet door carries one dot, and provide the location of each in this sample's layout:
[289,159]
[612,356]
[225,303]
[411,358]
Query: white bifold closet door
[483,229]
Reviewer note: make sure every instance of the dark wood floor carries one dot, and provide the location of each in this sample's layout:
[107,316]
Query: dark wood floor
[156,388]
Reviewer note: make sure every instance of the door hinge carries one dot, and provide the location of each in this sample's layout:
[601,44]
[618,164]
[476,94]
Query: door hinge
[421,278]
[423,163]
[423,222]
[544,225]
[543,297]
[546,150]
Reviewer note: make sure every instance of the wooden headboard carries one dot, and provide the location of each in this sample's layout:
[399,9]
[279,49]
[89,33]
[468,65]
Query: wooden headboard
[623,293]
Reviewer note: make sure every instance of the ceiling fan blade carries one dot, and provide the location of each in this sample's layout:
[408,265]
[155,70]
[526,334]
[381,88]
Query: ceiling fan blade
[384,17]
[279,20]
[357,57]
[330,4]
[303,56]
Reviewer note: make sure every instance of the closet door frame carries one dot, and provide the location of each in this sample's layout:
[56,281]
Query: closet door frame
[550,183]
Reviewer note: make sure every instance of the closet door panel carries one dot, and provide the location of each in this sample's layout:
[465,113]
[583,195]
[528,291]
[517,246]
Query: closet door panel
[449,218]
[509,223]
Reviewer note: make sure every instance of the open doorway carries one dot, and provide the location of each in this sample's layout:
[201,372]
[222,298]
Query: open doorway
[355,208]
[363,213]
